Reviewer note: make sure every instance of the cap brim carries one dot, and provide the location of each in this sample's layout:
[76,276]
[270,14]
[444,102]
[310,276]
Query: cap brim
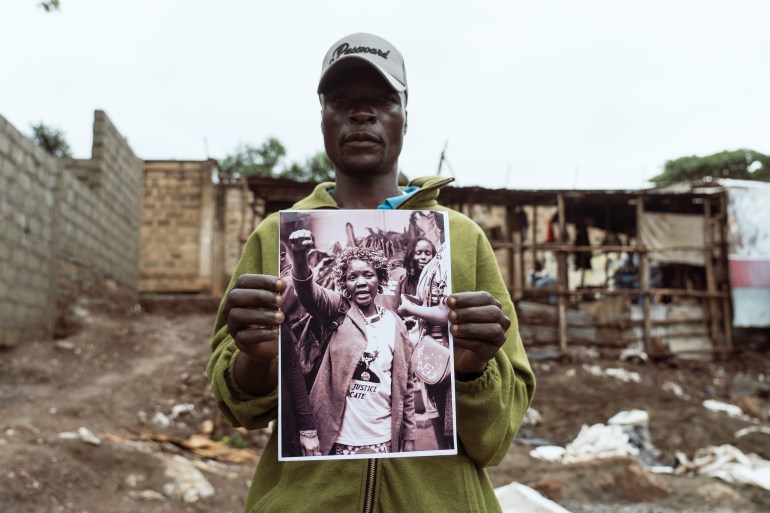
[356,61]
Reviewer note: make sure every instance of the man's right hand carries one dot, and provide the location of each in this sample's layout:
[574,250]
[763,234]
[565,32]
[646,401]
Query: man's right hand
[253,320]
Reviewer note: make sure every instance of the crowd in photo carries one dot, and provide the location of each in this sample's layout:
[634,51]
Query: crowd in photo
[354,313]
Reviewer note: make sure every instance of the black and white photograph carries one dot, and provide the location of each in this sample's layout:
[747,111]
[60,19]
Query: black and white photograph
[365,354]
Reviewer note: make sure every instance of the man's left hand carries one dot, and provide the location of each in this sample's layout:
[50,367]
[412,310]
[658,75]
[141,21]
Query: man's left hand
[478,329]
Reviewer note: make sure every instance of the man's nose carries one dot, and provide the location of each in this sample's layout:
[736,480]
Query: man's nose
[362,114]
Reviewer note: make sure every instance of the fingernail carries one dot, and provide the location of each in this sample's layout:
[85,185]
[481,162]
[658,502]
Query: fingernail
[279,316]
[455,328]
[453,316]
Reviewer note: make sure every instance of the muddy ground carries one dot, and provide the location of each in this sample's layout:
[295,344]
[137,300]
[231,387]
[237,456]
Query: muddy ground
[120,377]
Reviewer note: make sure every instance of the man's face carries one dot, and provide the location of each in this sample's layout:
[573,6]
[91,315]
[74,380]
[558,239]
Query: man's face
[363,121]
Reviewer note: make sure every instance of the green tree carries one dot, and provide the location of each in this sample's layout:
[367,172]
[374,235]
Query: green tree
[51,140]
[254,161]
[738,164]
[267,160]
[50,5]
[315,169]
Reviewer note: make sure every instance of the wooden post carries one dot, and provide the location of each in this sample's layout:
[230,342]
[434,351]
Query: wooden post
[708,255]
[644,277]
[521,214]
[513,283]
[220,278]
[563,275]
[606,254]
[727,310]
[534,235]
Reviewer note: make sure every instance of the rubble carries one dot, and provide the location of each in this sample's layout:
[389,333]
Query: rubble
[154,363]
[187,481]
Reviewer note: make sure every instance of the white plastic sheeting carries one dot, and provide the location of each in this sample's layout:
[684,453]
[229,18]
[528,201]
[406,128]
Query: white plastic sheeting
[627,434]
[728,463]
[593,442]
[517,498]
[730,409]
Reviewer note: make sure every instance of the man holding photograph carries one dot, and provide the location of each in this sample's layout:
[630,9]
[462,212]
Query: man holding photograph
[363,94]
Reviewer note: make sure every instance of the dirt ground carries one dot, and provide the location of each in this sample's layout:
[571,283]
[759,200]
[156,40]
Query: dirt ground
[120,377]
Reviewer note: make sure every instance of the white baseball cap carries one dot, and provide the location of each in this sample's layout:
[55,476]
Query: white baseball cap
[352,50]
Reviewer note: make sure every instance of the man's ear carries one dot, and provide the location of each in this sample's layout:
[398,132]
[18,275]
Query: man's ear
[321,101]
[406,121]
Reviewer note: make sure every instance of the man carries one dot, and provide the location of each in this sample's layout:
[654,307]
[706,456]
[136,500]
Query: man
[363,94]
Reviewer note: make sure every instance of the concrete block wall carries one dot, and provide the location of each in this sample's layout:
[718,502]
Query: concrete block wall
[28,178]
[238,225]
[178,227]
[70,230]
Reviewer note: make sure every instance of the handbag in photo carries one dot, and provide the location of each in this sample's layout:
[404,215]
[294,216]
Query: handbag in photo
[431,360]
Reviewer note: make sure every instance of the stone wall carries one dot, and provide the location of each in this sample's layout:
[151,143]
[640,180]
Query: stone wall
[70,231]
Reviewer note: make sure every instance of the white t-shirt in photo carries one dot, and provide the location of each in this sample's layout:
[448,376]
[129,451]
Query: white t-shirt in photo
[367,406]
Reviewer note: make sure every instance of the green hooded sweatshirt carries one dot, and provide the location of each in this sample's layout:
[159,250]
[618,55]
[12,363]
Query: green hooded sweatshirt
[488,415]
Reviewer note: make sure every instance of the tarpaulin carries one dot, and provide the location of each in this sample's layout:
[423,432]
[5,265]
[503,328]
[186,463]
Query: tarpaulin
[748,215]
[661,231]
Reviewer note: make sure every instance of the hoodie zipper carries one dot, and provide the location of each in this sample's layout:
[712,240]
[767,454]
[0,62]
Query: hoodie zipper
[371,479]
[371,470]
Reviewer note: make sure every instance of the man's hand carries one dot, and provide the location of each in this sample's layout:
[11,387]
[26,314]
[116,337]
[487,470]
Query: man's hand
[478,329]
[253,320]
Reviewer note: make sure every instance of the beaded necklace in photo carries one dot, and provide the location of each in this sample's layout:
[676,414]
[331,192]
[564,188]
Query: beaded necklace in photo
[372,318]
[368,357]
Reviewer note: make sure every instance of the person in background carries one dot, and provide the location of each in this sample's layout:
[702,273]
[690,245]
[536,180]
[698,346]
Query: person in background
[391,289]
[433,313]
[418,253]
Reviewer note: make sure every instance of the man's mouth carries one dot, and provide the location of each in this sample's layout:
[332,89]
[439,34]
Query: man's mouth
[361,137]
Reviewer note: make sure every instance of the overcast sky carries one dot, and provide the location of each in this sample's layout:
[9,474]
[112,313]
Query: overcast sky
[538,94]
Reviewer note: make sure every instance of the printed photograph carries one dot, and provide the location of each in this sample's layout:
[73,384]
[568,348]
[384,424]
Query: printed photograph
[365,350]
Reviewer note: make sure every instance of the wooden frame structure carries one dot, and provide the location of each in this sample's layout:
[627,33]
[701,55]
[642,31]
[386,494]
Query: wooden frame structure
[620,211]
[616,212]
